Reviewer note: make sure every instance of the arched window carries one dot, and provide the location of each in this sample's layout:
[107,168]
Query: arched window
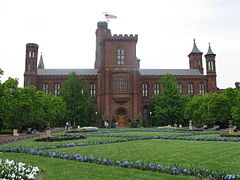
[180,88]
[57,87]
[201,88]
[93,90]
[29,54]
[190,89]
[156,88]
[120,84]
[45,88]
[211,65]
[120,56]
[145,90]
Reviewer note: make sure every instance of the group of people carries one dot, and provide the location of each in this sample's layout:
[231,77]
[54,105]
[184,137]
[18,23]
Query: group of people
[106,124]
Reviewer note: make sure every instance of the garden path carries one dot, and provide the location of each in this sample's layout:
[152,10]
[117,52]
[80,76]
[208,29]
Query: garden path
[5,139]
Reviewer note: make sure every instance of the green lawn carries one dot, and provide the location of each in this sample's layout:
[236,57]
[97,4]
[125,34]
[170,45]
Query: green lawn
[31,143]
[198,154]
[142,133]
[215,155]
[59,169]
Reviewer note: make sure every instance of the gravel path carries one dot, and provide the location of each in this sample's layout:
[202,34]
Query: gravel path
[6,139]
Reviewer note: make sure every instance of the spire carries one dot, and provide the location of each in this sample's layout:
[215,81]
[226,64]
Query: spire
[195,49]
[41,64]
[210,50]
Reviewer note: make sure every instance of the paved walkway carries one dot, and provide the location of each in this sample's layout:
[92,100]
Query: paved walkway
[5,139]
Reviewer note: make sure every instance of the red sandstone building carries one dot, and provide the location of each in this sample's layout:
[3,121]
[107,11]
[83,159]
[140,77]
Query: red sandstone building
[120,88]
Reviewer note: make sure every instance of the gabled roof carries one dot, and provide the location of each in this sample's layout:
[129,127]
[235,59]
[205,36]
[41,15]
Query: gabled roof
[194,72]
[67,71]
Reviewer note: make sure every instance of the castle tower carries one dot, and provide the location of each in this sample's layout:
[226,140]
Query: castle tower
[101,33]
[195,58]
[117,72]
[30,74]
[211,70]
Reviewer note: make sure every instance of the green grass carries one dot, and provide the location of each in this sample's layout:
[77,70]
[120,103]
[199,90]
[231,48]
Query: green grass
[31,143]
[198,154]
[215,155]
[142,133]
[59,169]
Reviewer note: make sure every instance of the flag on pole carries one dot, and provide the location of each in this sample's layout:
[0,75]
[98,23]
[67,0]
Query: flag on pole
[109,16]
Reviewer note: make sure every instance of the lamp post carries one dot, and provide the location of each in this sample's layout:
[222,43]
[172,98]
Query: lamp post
[96,113]
[150,122]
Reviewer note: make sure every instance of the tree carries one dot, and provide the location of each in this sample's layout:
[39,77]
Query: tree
[209,109]
[76,94]
[54,108]
[168,106]
[236,111]
[8,90]
[22,108]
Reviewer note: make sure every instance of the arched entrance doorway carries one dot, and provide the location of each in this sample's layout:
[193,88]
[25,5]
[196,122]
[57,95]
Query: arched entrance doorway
[122,118]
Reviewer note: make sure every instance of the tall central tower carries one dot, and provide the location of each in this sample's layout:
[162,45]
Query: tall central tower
[117,75]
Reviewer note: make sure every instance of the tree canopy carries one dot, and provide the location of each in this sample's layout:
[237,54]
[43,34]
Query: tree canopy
[76,94]
[23,108]
[214,109]
[168,106]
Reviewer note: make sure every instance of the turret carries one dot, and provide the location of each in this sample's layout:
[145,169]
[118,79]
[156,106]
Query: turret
[101,33]
[30,64]
[211,70]
[195,58]
[210,61]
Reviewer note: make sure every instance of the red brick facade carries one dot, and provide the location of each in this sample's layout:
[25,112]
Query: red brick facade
[121,89]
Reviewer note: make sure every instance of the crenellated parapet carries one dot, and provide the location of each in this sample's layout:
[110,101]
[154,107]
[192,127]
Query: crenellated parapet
[31,45]
[102,25]
[122,37]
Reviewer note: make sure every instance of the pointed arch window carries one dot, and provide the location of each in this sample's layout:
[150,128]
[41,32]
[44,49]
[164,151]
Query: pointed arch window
[144,90]
[57,87]
[156,88]
[45,88]
[120,56]
[211,65]
[201,88]
[190,89]
[180,87]
[93,90]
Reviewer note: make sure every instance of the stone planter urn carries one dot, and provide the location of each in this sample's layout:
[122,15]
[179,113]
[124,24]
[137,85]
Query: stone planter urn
[190,125]
[230,127]
[15,132]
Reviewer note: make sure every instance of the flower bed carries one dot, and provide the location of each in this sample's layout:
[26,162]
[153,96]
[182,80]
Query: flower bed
[10,170]
[230,135]
[82,130]
[174,170]
[61,138]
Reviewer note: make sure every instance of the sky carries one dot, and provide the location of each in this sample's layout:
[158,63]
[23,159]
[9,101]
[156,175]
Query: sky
[65,33]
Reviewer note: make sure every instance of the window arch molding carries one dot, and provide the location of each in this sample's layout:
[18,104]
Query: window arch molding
[180,87]
[120,53]
[190,87]
[144,89]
